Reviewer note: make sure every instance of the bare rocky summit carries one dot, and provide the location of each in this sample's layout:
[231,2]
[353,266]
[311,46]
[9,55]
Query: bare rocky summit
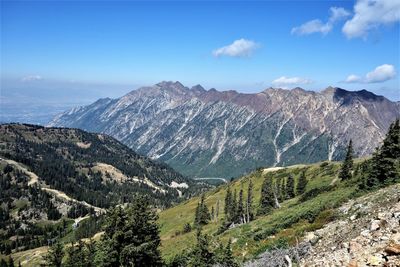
[208,133]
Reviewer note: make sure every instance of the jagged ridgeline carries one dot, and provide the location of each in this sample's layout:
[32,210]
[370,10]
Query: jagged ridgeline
[94,168]
[209,133]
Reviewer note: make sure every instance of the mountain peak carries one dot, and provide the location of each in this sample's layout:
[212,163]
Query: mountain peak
[348,97]
[198,89]
[169,84]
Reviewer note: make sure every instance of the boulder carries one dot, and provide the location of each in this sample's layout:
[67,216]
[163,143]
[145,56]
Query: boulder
[375,260]
[375,225]
[393,249]
[352,263]
[355,247]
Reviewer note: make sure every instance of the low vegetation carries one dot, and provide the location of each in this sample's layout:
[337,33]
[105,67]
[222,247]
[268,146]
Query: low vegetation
[283,203]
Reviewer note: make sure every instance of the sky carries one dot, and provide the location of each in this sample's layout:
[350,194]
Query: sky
[78,51]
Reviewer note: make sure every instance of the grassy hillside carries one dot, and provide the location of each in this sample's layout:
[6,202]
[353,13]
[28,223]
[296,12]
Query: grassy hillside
[280,227]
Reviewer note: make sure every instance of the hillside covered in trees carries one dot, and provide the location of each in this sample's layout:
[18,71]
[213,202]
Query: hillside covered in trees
[91,167]
[258,220]
[57,183]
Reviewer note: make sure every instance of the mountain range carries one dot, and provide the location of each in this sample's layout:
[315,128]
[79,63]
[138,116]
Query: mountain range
[209,133]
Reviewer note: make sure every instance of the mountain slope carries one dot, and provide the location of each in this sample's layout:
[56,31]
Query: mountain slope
[207,133]
[94,168]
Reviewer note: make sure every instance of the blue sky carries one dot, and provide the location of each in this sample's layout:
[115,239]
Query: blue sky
[85,50]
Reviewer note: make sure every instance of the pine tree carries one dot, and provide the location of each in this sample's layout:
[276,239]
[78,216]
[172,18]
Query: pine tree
[141,235]
[55,255]
[77,255]
[249,202]
[267,196]
[11,262]
[284,189]
[233,211]
[290,187]
[228,203]
[240,216]
[187,228]
[302,183]
[212,213]
[281,195]
[227,259]
[385,160]
[201,255]
[131,236]
[217,210]
[197,214]
[347,165]
[276,194]
[202,216]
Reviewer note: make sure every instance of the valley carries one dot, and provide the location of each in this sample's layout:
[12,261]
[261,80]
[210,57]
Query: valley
[300,220]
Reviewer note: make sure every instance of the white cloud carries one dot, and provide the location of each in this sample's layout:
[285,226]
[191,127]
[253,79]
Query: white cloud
[290,81]
[239,48]
[370,14]
[317,26]
[30,78]
[381,73]
[353,79]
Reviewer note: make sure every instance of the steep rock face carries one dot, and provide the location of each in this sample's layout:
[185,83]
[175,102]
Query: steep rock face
[223,134]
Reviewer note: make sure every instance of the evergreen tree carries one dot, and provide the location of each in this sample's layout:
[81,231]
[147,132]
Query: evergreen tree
[131,236]
[267,196]
[276,194]
[76,255]
[284,189]
[212,213]
[197,214]
[281,194]
[249,202]
[386,159]
[141,235]
[240,216]
[217,210]
[290,190]
[301,183]
[226,258]
[233,211]
[54,256]
[11,262]
[347,165]
[228,203]
[187,228]
[201,255]
[202,216]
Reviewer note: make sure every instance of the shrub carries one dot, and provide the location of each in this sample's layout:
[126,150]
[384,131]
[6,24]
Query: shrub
[315,192]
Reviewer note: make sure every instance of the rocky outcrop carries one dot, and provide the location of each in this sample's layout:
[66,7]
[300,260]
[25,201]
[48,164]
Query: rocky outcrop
[367,233]
[207,133]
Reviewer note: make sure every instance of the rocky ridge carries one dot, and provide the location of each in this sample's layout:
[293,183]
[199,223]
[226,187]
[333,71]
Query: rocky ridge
[367,233]
[208,133]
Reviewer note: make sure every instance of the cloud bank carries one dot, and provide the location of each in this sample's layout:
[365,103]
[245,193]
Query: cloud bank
[380,74]
[317,26]
[290,81]
[369,15]
[31,78]
[239,48]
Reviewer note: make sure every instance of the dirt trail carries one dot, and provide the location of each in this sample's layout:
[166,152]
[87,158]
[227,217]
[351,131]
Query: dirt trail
[34,179]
